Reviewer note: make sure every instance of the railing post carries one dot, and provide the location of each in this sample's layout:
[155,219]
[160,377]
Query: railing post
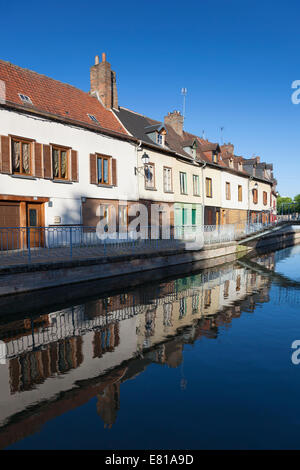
[71,247]
[28,245]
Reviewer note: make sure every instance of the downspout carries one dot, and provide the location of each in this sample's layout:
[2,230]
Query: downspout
[138,149]
[203,166]
[250,179]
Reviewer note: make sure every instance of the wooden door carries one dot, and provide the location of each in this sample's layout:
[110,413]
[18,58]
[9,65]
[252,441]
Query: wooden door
[35,224]
[9,225]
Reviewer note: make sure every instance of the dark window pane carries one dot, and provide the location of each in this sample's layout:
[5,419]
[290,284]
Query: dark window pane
[105,171]
[32,217]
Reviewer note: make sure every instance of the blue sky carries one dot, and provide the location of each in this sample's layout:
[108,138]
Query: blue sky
[237,60]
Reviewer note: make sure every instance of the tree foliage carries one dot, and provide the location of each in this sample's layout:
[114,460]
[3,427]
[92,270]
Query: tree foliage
[283,206]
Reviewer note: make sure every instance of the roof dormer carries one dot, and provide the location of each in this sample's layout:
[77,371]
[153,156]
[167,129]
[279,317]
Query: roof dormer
[157,133]
[191,148]
[215,157]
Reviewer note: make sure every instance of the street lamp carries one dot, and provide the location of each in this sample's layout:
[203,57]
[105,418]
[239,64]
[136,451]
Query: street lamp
[145,160]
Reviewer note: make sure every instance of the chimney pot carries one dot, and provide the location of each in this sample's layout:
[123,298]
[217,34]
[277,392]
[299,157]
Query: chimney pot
[96,60]
[103,57]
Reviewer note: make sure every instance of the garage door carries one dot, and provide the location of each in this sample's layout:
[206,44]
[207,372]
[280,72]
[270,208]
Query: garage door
[9,217]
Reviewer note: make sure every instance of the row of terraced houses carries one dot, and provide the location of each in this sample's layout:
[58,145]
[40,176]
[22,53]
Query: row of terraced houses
[65,152]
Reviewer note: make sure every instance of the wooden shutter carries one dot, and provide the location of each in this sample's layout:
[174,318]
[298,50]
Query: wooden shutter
[38,160]
[5,155]
[74,165]
[93,168]
[47,162]
[114,171]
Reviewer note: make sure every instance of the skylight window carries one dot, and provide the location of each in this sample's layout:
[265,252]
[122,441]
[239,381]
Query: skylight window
[92,118]
[25,99]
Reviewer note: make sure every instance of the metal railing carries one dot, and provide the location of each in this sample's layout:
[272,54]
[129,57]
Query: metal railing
[42,244]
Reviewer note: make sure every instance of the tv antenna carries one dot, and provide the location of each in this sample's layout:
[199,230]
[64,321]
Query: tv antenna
[184,93]
[221,129]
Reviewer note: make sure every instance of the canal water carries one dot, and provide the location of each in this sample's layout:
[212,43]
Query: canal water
[202,361]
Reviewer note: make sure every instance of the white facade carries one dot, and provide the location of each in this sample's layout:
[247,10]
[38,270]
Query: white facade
[65,197]
[235,181]
[261,188]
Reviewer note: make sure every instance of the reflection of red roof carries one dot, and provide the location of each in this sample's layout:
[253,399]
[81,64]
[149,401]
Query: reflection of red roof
[54,97]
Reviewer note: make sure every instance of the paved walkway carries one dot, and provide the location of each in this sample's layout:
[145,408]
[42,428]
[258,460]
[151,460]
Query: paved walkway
[54,255]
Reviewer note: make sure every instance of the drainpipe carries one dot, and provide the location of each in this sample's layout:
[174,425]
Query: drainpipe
[203,166]
[138,149]
[250,179]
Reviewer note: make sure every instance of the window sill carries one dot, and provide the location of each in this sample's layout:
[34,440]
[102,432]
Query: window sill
[196,195]
[168,192]
[184,194]
[25,177]
[100,185]
[62,181]
[151,189]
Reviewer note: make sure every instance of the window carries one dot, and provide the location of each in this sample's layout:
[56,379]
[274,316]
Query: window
[196,185]
[226,289]
[25,99]
[21,156]
[167,179]
[207,298]
[255,196]
[265,198]
[182,307]
[194,215]
[150,176]
[238,283]
[240,193]
[208,183]
[103,170]
[92,118]
[183,182]
[215,157]
[159,139]
[60,163]
[228,195]
[184,216]
[195,303]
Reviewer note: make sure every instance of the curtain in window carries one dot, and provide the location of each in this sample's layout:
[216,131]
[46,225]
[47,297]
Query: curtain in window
[63,164]
[16,155]
[55,163]
[25,158]
[99,168]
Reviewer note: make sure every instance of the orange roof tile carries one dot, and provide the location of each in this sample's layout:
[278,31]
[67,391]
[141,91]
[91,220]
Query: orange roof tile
[54,97]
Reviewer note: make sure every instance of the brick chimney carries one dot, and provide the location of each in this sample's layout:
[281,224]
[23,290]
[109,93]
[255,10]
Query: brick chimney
[103,82]
[228,148]
[175,120]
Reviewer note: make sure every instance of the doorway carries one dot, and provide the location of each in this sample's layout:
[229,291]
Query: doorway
[35,224]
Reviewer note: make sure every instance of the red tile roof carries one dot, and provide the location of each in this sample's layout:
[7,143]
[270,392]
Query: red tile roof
[51,96]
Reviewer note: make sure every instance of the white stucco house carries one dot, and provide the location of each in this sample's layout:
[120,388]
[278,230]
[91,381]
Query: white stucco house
[62,151]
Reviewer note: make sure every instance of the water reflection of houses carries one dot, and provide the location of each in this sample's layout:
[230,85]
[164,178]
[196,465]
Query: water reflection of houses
[89,350]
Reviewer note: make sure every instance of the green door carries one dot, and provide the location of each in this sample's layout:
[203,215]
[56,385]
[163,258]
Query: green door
[194,213]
